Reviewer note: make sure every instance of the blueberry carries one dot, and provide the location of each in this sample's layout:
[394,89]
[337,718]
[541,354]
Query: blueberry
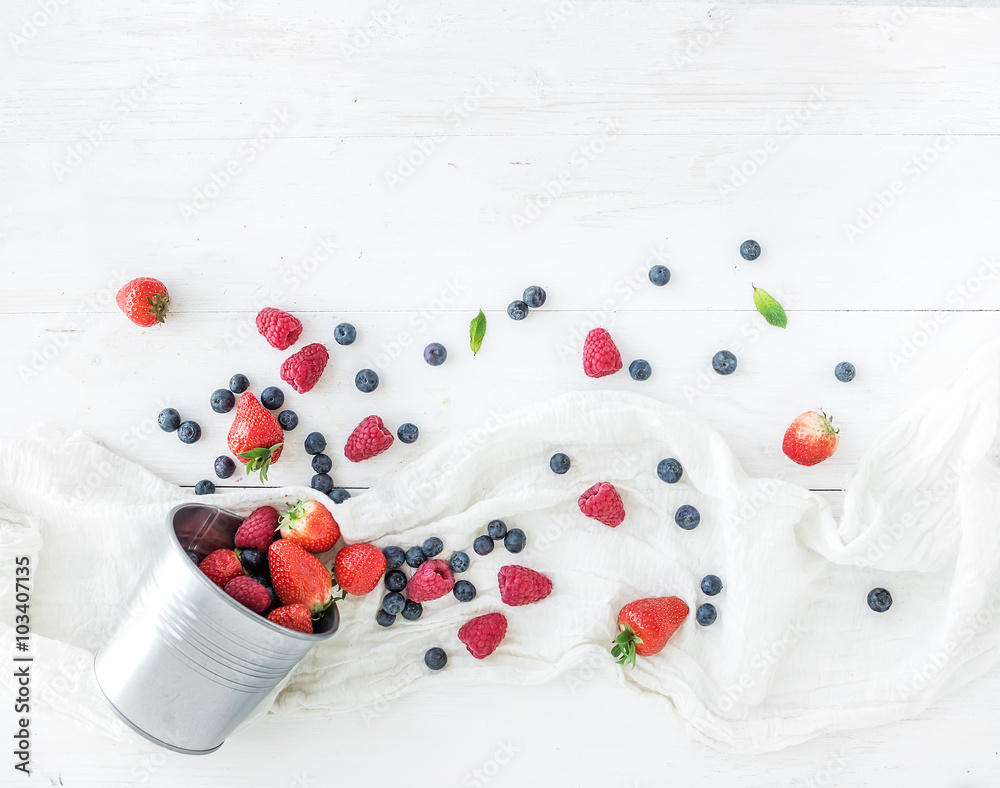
[687,517]
[640,369]
[750,250]
[189,431]
[272,398]
[659,275]
[193,556]
[239,383]
[345,334]
[879,600]
[497,529]
[315,443]
[534,296]
[724,362]
[395,580]
[383,619]
[204,487]
[432,546]
[223,400]
[415,556]
[464,591]
[394,557]
[224,466]
[393,603]
[515,540]
[254,561]
[845,372]
[459,562]
[366,381]
[413,610]
[322,483]
[169,419]
[264,580]
[338,495]
[435,658]
[435,354]
[288,419]
[275,599]
[407,432]
[559,463]
[322,464]
[669,470]
[711,585]
[706,614]
[483,545]
[518,310]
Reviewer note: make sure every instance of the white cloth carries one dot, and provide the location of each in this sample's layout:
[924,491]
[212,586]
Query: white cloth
[796,651]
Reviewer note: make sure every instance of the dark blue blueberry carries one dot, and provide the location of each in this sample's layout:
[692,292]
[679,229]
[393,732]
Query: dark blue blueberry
[169,419]
[518,310]
[189,431]
[393,603]
[483,545]
[204,487]
[224,466]
[659,275]
[432,546]
[497,529]
[322,464]
[464,591]
[706,614]
[640,369]
[395,580]
[435,354]
[687,517]
[394,557]
[322,483]
[407,432]
[272,398]
[338,495]
[534,296]
[879,600]
[254,562]
[415,556]
[384,619]
[366,381]
[724,362]
[345,334]
[315,443]
[459,562]
[435,658]
[845,372]
[711,585]
[559,463]
[239,383]
[288,419]
[515,540]
[669,470]
[193,556]
[750,250]
[223,400]
[275,599]
[264,580]
[413,610]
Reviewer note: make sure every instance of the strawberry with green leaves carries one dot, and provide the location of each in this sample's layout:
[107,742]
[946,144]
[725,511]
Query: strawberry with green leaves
[256,436]
[645,626]
[810,439]
[298,577]
[144,301]
[310,525]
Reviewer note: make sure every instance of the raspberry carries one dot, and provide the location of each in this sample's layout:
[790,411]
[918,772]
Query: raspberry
[292,617]
[482,635]
[257,531]
[369,438]
[302,370]
[249,593]
[522,586]
[221,566]
[432,580]
[600,355]
[280,329]
[603,503]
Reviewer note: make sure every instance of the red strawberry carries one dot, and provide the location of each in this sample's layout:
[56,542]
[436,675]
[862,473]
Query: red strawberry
[298,577]
[646,625]
[432,580]
[144,301]
[292,617]
[280,329]
[255,437]
[257,531]
[249,593]
[603,503]
[369,438]
[358,568]
[310,525]
[810,439]
[600,355]
[221,566]
[302,370]
[483,634]
[522,586]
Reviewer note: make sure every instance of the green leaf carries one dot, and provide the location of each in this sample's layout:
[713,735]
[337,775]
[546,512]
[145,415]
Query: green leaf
[769,308]
[477,330]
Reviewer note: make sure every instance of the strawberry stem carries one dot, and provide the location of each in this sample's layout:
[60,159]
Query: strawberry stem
[623,648]
[158,304]
[259,460]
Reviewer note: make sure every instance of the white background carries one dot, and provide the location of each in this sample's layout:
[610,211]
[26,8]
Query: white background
[856,144]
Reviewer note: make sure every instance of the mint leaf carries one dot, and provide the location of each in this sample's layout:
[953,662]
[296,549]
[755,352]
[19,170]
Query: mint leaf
[477,330]
[769,308]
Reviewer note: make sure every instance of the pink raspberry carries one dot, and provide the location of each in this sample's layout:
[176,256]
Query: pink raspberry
[600,354]
[280,329]
[257,531]
[432,580]
[302,370]
[482,635]
[522,586]
[369,438]
[249,593]
[603,503]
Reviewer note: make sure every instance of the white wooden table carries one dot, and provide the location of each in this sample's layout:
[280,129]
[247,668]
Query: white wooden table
[401,166]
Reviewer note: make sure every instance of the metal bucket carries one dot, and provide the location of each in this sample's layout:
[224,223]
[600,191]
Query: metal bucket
[189,663]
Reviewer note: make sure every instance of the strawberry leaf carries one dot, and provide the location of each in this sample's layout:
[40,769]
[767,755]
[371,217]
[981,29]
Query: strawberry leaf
[769,307]
[477,330]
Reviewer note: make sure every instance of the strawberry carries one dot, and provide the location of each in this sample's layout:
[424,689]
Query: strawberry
[221,566]
[600,354]
[256,436]
[292,617]
[310,525]
[810,439]
[280,329]
[522,586]
[369,438]
[645,626]
[302,370]
[144,301]
[482,635]
[432,580]
[257,531]
[298,577]
[358,568]
[603,503]
[249,593]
